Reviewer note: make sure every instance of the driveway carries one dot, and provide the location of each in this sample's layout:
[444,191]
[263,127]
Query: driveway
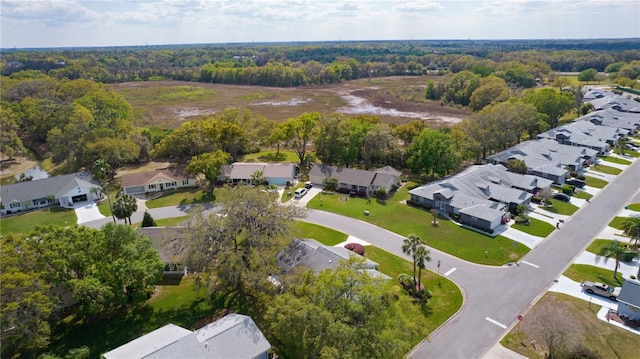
[87,211]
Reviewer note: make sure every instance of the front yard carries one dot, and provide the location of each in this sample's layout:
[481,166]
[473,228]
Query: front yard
[560,207]
[585,272]
[403,219]
[606,169]
[535,227]
[595,182]
[26,222]
[181,197]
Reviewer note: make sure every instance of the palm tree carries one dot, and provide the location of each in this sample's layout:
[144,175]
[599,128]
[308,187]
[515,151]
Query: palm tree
[124,207]
[631,227]
[409,247]
[613,250]
[621,145]
[101,171]
[421,257]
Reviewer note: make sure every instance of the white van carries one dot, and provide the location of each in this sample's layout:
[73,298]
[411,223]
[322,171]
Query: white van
[300,192]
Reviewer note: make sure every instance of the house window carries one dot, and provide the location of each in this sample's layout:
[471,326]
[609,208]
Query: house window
[170,184]
[152,186]
[474,219]
[185,182]
[14,205]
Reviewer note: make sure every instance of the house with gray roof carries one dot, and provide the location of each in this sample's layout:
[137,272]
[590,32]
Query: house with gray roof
[169,242]
[605,100]
[629,299]
[355,180]
[64,191]
[481,195]
[624,120]
[169,178]
[311,254]
[586,134]
[274,173]
[547,158]
[233,336]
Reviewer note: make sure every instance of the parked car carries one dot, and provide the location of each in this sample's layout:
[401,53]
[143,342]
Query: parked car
[300,192]
[308,185]
[576,182]
[562,197]
[601,289]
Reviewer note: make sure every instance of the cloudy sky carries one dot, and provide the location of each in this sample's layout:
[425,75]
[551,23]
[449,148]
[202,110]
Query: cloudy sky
[63,23]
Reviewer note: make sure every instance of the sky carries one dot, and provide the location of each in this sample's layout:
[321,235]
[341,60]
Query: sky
[87,23]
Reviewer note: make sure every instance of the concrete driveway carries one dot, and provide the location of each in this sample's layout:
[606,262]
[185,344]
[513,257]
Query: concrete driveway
[87,211]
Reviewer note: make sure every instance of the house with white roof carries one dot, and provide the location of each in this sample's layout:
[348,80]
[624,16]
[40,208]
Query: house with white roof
[233,336]
[624,120]
[586,134]
[64,191]
[603,100]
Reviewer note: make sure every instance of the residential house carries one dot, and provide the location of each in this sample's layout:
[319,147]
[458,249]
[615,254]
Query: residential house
[273,173]
[624,120]
[169,242]
[547,158]
[480,196]
[157,180]
[629,299]
[233,336]
[586,134]
[356,181]
[65,191]
[604,100]
[311,254]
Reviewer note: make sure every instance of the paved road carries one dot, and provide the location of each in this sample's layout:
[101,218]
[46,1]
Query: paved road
[494,296]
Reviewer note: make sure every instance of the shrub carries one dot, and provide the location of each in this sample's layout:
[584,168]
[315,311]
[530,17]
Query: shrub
[355,247]
[148,221]
[628,256]
[573,173]
[406,281]
[536,199]
[522,219]
[381,193]
[568,189]
[580,177]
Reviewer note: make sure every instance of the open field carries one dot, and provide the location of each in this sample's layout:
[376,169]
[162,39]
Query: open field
[395,99]
[589,331]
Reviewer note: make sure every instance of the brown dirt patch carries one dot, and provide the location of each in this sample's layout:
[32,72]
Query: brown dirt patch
[15,166]
[394,99]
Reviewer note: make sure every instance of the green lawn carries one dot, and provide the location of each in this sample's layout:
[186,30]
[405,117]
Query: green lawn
[182,304]
[582,194]
[26,222]
[447,298]
[175,198]
[404,220]
[270,156]
[536,227]
[327,236]
[627,153]
[103,206]
[595,246]
[634,207]
[606,169]
[595,182]
[607,340]
[585,272]
[615,160]
[618,222]
[560,207]
[288,193]
[166,222]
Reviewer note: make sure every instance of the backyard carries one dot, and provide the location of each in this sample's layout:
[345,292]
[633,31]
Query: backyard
[403,219]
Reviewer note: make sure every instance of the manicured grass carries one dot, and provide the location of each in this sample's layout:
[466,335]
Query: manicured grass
[182,304]
[285,195]
[536,227]
[595,246]
[634,207]
[560,207]
[606,169]
[582,194]
[324,235]
[447,298]
[618,222]
[595,182]
[175,198]
[103,206]
[404,220]
[629,153]
[615,160]
[26,222]
[166,222]
[605,339]
[271,156]
[585,272]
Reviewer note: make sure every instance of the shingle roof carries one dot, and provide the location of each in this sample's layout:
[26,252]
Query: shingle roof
[544,152]
[56,186]
[344,175]
[483,212]
[142,178]
[630,292]
[146,345]
[244,171]
[167,241]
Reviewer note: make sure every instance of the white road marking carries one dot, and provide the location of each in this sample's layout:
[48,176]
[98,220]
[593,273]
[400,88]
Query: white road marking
[450,271]
[530,264]
[496,323]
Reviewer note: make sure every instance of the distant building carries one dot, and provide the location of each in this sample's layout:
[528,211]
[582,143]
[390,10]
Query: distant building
[234,336]
[273,173]
[170,178]
[361,182]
